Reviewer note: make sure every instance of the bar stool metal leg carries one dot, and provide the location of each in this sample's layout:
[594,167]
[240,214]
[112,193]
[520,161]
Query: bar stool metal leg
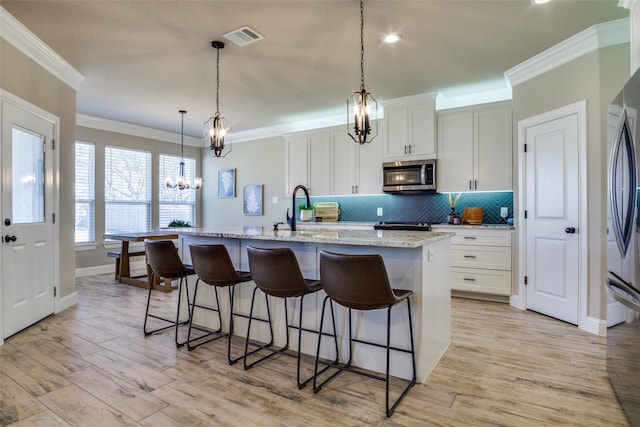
[172,323]
[214,334]
[347,366]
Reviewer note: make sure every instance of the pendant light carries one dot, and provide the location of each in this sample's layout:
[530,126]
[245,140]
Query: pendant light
[182,182]
[363,102]
[215,128]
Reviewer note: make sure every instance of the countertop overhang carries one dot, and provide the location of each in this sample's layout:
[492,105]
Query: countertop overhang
[381,238]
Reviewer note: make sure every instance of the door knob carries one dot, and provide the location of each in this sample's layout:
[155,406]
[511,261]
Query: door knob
[570,230]
[8,238]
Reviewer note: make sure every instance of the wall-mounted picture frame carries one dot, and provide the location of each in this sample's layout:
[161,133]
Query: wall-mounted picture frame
[226,183]
[252,198]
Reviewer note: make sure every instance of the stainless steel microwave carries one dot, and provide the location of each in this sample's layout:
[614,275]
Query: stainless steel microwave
[407,176]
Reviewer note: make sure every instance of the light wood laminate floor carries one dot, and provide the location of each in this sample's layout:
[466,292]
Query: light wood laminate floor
[91,365]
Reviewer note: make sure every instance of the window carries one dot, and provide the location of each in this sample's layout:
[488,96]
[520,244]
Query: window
[127,190]
[85,192]
[175,203]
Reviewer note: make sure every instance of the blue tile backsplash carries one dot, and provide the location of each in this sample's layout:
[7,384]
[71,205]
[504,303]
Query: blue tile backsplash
[419,207]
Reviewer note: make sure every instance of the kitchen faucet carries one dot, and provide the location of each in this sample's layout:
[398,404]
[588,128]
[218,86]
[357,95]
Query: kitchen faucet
[291,220]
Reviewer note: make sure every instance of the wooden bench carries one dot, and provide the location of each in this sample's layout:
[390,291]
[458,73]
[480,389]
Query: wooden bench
[116,255]
[167,287]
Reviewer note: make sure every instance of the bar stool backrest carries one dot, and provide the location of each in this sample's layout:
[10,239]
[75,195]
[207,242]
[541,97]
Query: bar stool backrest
[163,258]
[356,281]
[276,271]
[213,265]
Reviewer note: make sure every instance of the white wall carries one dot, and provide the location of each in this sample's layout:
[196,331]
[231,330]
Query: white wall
[256,162]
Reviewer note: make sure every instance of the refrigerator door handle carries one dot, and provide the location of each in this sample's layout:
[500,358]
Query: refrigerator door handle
[623,293]
[623,157]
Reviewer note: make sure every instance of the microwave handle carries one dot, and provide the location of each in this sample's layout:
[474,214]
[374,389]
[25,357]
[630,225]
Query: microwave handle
[423,174]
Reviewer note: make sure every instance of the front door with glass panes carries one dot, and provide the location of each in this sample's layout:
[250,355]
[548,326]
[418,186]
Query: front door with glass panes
[28,278]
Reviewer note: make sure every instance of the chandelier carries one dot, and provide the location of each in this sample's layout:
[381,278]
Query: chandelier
[182,181]
[215,128]
[363,102]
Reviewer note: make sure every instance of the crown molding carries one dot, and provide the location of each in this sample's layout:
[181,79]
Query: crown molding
[287,128]
[93,122]
[15,33]
[632,5]
[593,38]
[411,99]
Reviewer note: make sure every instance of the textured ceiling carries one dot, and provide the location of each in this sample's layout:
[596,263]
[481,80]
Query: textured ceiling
[145,60]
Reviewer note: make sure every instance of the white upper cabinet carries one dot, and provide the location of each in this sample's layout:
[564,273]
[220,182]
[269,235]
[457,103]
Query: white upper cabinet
[356,169]
[319,163]
[297,157]
[308,161]
[409,129]
[475,149]
[328,162]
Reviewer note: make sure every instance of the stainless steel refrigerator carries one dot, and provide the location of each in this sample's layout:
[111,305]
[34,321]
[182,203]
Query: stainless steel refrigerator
[623,262]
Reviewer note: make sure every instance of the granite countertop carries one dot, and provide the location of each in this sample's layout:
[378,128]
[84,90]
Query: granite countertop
[382,238]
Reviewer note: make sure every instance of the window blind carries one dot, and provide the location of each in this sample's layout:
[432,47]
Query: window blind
[84,192]
[127,190]
[176,204]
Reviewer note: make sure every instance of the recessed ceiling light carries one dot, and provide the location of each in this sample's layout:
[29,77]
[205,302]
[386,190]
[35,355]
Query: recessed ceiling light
[539,1]
[391,38]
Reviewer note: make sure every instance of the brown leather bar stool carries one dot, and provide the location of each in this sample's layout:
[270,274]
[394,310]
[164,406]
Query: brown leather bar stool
[360,282]
[165,263]
[276,273]
[213,266]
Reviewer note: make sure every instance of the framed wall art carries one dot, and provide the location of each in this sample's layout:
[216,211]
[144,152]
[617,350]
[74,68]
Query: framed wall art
[252,200]
[226,183]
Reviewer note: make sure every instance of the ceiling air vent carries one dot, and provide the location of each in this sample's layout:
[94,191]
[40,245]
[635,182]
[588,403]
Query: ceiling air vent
[243,36]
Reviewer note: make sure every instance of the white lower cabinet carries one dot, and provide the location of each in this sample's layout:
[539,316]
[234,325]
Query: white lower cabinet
[481,260]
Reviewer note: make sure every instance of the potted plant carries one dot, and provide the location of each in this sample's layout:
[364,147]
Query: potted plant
[306,212]
[179,223]
[452,201]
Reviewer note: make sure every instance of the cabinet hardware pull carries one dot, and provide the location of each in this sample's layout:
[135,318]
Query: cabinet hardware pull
[470,185]
[469,256]
[468,279]
[470,237]
[475,184]
[409,148]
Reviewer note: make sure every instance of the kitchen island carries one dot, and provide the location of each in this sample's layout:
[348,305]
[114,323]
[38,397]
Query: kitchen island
[414,260]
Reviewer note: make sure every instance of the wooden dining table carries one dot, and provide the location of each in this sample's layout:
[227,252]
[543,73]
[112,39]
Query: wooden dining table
[125,267]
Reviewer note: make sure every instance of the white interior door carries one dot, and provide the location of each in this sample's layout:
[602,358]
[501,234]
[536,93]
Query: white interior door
[552,206]
[27,207]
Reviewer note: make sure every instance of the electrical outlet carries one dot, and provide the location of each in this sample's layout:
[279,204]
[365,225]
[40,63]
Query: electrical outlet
[504,212]
[274,200]
[379,211]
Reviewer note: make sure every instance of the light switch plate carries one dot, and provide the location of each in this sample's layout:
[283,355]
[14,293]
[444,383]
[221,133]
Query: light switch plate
[274,200]
[504,212]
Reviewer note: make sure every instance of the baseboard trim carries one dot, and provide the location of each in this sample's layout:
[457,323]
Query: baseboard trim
[66,301]
[483,297]
[595,326]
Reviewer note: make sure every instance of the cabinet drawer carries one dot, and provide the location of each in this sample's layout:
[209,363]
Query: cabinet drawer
[485,281]
[490,257]
[481,237]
